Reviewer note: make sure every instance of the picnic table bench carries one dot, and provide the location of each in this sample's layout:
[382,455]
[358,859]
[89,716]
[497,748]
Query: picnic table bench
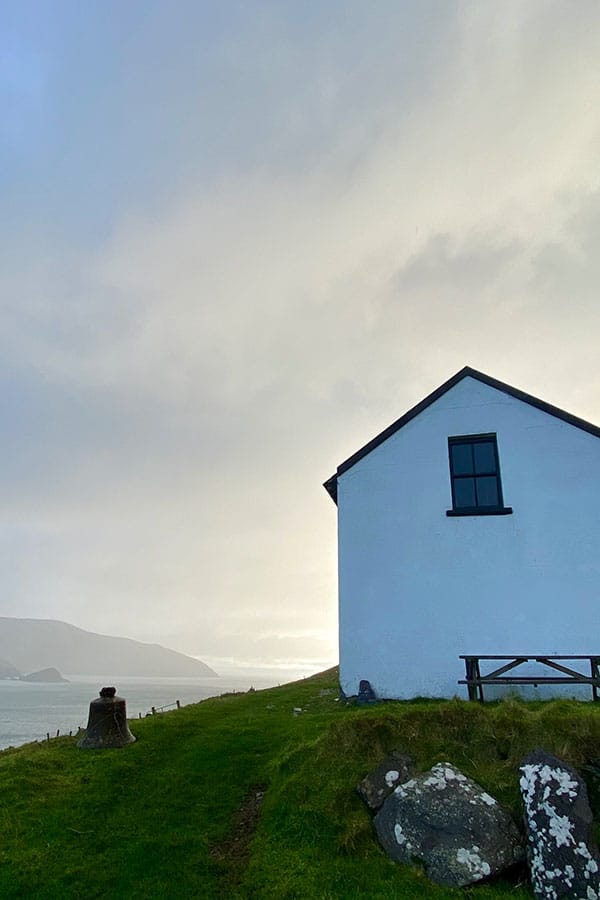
[476,682]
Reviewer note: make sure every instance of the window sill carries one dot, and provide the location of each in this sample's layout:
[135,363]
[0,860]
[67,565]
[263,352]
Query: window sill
[480,511]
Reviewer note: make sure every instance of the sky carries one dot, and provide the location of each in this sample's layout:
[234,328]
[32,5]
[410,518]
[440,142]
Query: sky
[237,240]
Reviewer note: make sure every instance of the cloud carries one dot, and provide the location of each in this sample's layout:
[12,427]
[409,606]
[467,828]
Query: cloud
[394,196]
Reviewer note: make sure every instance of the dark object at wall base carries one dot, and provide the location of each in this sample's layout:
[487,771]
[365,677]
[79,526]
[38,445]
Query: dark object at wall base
[366,694]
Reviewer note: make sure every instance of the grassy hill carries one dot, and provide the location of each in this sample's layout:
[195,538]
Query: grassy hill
[240,797]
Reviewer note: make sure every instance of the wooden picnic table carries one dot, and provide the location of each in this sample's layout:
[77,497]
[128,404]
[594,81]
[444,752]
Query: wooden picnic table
[476,681]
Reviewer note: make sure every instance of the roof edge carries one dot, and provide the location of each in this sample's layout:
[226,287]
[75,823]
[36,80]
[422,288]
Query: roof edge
[331,484]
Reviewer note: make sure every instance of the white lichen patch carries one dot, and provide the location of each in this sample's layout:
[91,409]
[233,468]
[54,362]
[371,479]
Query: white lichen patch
[591,866]
[559,827]
[591,894]
[582,850]
[453,774]
[399,834]
[403,790]
[475,865]
[441,774]
[436,780]
[441,777]
[563,783]
[391,777]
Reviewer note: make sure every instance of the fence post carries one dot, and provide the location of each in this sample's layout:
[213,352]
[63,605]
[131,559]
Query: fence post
[153,710]
[178,704]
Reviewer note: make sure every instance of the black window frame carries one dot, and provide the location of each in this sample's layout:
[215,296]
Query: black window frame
[471,440]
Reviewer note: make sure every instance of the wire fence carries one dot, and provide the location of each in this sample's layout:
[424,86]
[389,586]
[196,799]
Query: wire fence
[153,711]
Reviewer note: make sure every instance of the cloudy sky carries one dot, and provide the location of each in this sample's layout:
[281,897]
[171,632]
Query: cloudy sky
[237,240]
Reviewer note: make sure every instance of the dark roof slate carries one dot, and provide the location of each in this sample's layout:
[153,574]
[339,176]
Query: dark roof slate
[331,484]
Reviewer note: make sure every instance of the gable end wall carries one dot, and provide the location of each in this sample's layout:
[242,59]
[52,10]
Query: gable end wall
[418,588]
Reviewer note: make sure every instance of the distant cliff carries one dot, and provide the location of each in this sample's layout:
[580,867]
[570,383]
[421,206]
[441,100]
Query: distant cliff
[50,676]
[33,644]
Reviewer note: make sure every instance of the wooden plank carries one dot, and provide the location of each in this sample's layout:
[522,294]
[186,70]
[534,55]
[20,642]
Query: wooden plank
[595,673]
[523,679]
[532,656]
[553,665]
[473,674]
[511,665]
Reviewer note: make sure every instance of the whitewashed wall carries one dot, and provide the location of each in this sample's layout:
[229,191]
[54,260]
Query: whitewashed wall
[418,588]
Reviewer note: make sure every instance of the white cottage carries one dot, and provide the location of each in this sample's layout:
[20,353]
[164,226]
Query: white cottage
[469,526]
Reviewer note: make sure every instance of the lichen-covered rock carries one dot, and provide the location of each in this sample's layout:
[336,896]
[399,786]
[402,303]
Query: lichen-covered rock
[563,857]
[378,784]
[448,822]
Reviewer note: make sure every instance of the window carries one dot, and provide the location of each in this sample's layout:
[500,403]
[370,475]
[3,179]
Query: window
[475,476]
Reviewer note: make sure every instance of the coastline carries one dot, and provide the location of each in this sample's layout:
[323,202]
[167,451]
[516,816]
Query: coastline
[30,710]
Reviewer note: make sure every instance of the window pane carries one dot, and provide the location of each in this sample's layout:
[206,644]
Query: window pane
[462,459]
[487,491]
[485,458]
[464,492]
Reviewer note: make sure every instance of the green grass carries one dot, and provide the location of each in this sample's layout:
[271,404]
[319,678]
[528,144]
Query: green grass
[157,819]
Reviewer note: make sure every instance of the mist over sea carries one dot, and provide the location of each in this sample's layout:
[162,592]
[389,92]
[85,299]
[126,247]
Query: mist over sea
[28,711]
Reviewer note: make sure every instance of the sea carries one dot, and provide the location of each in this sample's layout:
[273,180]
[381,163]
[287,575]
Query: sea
[30,712]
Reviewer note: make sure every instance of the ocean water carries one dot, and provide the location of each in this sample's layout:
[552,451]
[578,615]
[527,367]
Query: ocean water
[30,711]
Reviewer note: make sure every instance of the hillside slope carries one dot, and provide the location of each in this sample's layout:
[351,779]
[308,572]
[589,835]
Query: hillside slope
[33,644]
[246,797]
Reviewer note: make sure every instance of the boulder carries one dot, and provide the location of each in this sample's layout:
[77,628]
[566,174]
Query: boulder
[397,768]
[450,824]
[562,854]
